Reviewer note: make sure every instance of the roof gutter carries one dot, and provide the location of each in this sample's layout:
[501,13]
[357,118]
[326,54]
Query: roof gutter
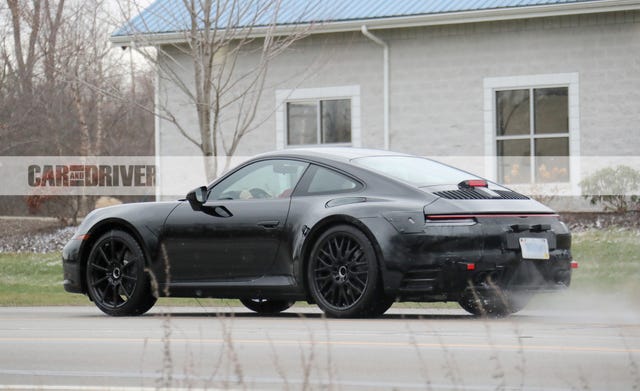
[385,71]
[408,21]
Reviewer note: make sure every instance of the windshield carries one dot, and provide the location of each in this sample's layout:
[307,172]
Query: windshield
[415,170]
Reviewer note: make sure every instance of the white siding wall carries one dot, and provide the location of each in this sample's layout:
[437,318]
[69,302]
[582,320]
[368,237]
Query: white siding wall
[437,79]
[437,75]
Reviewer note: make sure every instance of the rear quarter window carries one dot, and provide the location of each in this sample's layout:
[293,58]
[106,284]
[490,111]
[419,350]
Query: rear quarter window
[325,181]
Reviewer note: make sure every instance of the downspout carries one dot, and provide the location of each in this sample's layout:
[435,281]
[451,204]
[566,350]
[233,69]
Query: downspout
[156,134]
[385,60]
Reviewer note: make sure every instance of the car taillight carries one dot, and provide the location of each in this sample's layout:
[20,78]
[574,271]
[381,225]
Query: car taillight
[462,219]
[574,264]
[450,219]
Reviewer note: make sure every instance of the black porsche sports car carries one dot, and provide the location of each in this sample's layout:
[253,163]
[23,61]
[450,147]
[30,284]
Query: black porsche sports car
[352,230]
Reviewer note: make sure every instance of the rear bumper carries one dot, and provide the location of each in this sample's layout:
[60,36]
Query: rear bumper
[439,261]
[448,280]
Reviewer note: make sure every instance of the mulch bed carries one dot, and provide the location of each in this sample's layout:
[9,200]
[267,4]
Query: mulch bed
[581,221]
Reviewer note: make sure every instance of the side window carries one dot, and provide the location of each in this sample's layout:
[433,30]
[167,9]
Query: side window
[268,179]
[329,181]
[321,121]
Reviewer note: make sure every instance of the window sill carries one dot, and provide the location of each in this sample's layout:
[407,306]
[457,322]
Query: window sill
[325,145]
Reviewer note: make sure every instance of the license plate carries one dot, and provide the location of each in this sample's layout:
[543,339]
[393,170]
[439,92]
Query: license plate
[534,248]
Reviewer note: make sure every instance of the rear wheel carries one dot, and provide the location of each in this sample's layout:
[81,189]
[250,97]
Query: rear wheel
[343,274]
[116,279]
[493,302]
[267,306]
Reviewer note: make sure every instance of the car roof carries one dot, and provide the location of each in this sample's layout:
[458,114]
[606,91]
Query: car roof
[343,154]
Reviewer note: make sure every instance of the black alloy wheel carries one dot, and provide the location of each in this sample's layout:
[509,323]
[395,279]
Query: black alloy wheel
[343,274]
[116,279]
[267,306]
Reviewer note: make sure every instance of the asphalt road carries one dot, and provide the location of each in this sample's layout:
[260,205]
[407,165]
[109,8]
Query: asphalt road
[541,349]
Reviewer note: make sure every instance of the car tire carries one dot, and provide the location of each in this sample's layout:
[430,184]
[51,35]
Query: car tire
[343,274]
[493,302]
[116,278]
[267,306]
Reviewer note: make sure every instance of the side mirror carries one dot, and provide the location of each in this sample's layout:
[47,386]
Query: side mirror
[197,197]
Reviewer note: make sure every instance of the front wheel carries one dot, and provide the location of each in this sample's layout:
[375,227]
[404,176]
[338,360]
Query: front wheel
[116,279]
[343,274]
[267,306]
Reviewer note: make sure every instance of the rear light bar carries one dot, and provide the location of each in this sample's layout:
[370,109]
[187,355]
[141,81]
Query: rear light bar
[488,216]
[450,219]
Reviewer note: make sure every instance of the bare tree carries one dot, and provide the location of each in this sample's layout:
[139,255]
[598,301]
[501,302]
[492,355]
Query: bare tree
[216,35]
[25,60]
[49,44]
[86,56]
[62,90]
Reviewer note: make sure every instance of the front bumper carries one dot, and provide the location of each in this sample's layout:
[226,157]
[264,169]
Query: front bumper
[72,267]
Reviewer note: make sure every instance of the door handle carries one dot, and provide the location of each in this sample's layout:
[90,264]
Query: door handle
[269,224]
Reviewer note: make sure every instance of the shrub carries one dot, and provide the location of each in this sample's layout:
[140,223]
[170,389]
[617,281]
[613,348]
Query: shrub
[616,189]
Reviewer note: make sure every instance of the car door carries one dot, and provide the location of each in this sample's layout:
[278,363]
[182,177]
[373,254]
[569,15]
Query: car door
[237,232]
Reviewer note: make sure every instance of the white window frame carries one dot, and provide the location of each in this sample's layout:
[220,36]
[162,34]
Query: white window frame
[569,80]
[323,93]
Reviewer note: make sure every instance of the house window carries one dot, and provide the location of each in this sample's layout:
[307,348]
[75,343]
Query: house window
[318,116]
[532,128]
[532,135]
[321,121]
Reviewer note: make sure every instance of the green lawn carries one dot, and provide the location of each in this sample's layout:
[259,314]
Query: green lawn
[609,261]
[33,279]
[30,279]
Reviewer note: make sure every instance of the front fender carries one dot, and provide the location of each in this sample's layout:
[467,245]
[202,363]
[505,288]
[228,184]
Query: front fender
[144,221]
